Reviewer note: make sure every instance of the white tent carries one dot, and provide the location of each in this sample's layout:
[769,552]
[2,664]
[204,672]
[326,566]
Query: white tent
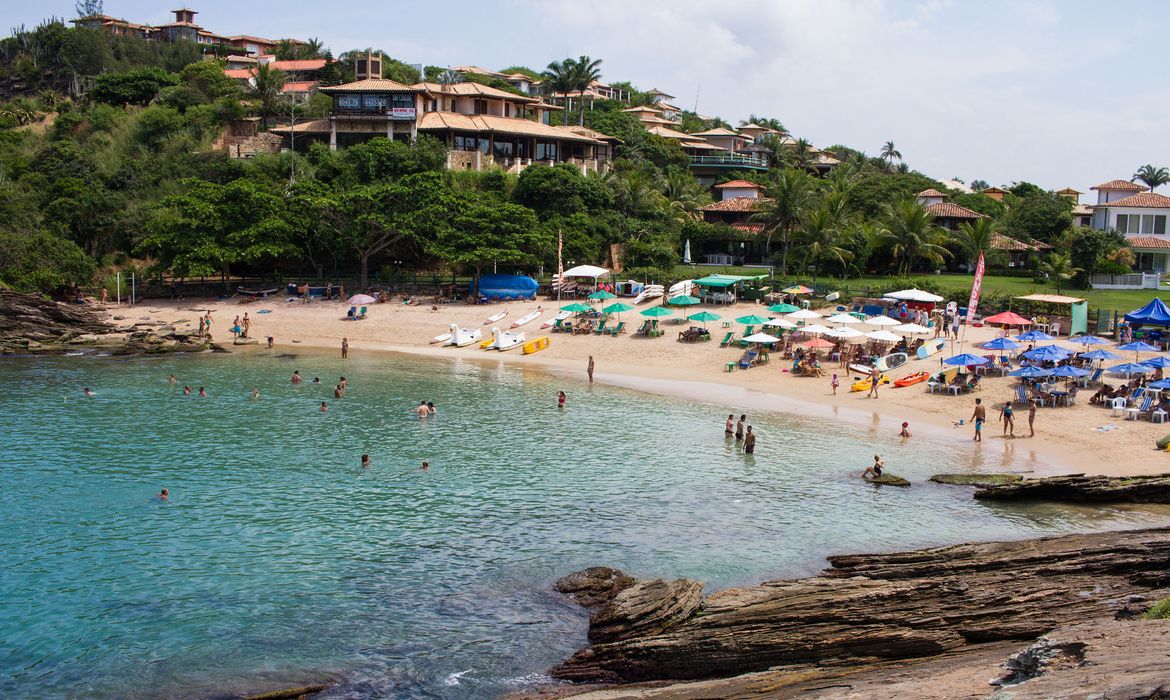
[590,271]
[761,338]
[913,295]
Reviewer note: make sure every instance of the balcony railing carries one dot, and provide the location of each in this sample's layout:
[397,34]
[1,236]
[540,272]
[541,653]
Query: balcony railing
[731,160]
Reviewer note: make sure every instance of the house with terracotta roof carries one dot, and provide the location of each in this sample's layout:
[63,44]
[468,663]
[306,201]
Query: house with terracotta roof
[946,214]
[481,125]
[1139,215]
[738,201]
[995,193]
[183,28]
[115,26]
[1018,253]
[524,83]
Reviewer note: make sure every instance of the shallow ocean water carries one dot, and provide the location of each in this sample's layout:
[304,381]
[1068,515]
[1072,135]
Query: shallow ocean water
[279,560]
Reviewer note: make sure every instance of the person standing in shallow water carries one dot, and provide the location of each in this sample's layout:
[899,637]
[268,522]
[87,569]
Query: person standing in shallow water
[589,369]
[739,427]
[561,398]
[729,427]
[344,348]
[749,442]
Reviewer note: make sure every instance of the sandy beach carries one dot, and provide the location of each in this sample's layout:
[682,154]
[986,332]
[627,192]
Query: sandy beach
[1068,440]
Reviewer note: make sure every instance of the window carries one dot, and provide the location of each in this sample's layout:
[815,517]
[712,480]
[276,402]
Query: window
[1138,224]
[480,107]
[503,149]
[401,101]
[546,151]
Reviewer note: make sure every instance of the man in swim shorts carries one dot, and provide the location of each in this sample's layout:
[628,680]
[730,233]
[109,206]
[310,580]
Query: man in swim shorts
[978,417]
[749,442]
[739,427]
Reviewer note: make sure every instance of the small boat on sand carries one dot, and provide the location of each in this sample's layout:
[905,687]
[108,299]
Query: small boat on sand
[650,291]
[865,383]
[679,289]
[441,338]
[495,317]
[912,379]
[462,337]
[863,370]
[561,316]
[526,318]
[892,361]
[535,346]
[503,340]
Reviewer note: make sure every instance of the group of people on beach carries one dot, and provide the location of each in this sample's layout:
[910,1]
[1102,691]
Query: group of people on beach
[741,432]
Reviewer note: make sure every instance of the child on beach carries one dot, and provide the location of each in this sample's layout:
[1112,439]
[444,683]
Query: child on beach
[836,383]
[905,430]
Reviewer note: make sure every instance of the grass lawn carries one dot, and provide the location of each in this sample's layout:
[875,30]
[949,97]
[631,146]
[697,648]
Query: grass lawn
[1115,299]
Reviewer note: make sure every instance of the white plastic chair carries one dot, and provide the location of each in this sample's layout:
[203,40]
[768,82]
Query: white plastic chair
[1118,405]
[1054,329]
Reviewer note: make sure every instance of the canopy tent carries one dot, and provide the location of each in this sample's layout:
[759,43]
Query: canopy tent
[914,295]
[590,271]
[1008,318]
[723,281]
[1078,312]
[1155,313]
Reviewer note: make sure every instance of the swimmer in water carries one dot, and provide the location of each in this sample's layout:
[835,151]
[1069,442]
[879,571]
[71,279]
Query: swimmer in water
[171,379]
[324,408]
[87,391]
[338,392]
[316,380]
[422,410]
[163,495]
[431,407]
[186,390]
[425,466]
[296,378]
[561,398]
[202,393]
[905,430]
[365,460]
[255,393]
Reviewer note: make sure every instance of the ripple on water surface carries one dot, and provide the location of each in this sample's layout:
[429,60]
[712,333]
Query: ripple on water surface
[278,559]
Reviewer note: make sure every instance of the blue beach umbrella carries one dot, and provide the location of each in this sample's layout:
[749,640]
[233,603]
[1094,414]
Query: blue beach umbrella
[966,360]
[1034,337]
[1069,371]
[1139,346]
[1156,362]
[1002,344]
[1160,384]
[1101,355]
[1088,340]
[1130,368]
[1030,372]
[1048,353]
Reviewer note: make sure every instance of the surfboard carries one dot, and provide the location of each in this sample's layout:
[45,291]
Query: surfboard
[931,347]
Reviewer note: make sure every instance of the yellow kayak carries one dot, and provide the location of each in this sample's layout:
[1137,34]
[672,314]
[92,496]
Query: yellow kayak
[534,346]
[864,384]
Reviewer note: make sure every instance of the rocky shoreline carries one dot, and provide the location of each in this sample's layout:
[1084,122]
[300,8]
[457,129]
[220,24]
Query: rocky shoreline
[865,612]
[33,325]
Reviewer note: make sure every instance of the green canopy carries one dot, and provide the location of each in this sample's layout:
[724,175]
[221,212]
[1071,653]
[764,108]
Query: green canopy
[602,295]
[577,308]
[683,300]
[657,311]
[751,320]
[783,308]
[725,280]
[704,316]
[617,308]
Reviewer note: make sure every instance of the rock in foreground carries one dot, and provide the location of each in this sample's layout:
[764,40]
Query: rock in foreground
[1078,488]
[873,608]
[980,480]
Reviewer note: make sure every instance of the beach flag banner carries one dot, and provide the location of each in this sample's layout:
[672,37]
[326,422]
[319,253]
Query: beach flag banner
[560,262]
[976,288]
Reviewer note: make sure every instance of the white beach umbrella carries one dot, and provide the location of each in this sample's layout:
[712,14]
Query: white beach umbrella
[842,318]
[761,338]
[881,321]
[844,333]
[913,295]
[912,329]
[782,323]
[803,315]
[814,329]
[883,336]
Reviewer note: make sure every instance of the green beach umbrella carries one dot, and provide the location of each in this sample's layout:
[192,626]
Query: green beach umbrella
[751,320]
[602,295]
[683,300]
[657,312]
[577,308]
[617,308]
[704,316]
[783,308]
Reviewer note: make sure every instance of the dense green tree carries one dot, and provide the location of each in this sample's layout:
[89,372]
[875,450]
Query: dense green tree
[911,235]
[36,261]
[789,199]
[561,190]
[1040,216]
[485,232]
[1026,189]
[820,239]
[380,159]
[1088,248]
[134,87]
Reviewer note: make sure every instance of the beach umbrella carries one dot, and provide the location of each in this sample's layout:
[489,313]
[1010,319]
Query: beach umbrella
[703,317]
[817,344]
[1002,344]
[803,315]
[601,295]
[883,336]
[966,360]
[1030,372]
[914,295]
[657,312]
[842,318]
[882,321]
[1088,340]
[577,308]
[797,289]
[781,323]
[751,320]
[912,329]
[1129,368]
[1101,355]
[1070,371]
[1156,362]
[617,308]
[362,299]
[683,300]
[1008,318]
[1033,337]
[761,338]
[814,329]
[1047,353]
[844,333]
[1160,384]
[783,308]
[1138,346]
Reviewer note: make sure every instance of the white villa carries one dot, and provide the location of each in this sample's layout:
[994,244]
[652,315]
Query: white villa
[1140,216]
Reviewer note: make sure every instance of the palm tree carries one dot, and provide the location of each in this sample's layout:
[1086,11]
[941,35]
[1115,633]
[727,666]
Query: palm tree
[559,77]
[1151,176]
[765,122]
[685,195]
[790,198]
[266,87]
[978,238]
[1059,268]
[910,233]
[635,192]
[585,71]
[800,152]
[890,153]
[312,48]
[820,238]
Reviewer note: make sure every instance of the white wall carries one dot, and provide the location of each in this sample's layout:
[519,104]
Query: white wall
[730,192]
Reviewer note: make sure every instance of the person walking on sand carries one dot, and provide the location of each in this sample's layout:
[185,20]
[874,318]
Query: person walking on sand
[589,369]
[977,418]
[344,348]
[749,442]
[729,428]
[1031,417]
[1009,424]
[271,340]
[836,383]
[875,376]
[739,427]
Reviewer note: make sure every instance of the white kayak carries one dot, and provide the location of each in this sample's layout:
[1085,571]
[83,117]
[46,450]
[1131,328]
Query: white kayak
[495,317]
[526,318]
[650,291]
[561,316]
[892,361]
[679,289]
[861,369]
[442,338]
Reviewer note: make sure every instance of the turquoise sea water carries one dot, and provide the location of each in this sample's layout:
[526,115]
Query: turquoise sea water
[279,560]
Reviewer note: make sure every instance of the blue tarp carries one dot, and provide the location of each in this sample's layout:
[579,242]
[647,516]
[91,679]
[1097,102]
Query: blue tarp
[1155,313]
[507,287]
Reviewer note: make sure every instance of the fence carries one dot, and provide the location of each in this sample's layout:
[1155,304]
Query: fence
[1136,280]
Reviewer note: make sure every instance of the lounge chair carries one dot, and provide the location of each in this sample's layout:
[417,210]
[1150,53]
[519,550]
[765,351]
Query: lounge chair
[352,313]
[362,313]
[1134,412]
[643,329]
[1094,378]
[618,329]
[727,339]
[1022,394]
[748,359]
[600,328]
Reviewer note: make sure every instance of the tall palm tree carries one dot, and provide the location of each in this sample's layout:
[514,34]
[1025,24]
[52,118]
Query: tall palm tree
[266,87]
[819,239]
[685,195]
[790,197]
[1059,268]
[559,77]
[585,71]
[890,153]
[312,48]
[978,238]
[911,235]
[635,192]
[800,152]
[1152,176]
[765,122]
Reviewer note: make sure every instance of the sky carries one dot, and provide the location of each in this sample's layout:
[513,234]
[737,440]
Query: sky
[1055,92]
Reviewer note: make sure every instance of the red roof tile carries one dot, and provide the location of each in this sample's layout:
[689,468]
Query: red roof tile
[309,64]
[738,204]
[299,86]
[946,210]
[1124,185]
[744,184]
[1147,242]
[239,74]
[1144,200]
[931,193]
[1002,242]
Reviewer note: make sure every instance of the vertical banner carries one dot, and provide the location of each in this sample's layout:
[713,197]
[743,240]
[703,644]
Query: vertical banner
[976,288]
[560,262]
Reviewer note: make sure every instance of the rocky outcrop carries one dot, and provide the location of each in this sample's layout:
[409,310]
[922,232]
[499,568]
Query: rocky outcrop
[1078,488]
[980,480]
[33,325]
[594,586]
[888,479]
[868,609]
